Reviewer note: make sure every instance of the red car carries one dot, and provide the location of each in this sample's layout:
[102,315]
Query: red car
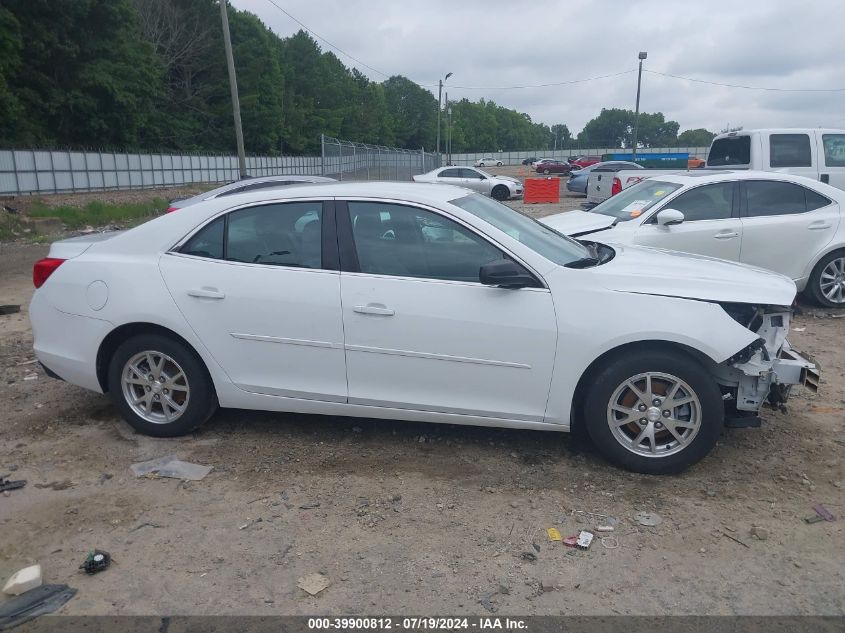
[584,161]
[554,167]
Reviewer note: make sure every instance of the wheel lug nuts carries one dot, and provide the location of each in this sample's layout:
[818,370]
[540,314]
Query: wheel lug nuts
[642,407]
[150,377]
[156,397]
[658,425]
[148,388]
[667,413]
[165,391]
[655,402]
[643,421]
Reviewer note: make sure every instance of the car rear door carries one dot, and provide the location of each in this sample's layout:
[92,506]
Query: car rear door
[260,287]
[711,223]
[785,225]
[422,333]
[452,176]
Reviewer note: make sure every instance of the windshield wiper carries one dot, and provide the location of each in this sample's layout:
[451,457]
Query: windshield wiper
[583,262]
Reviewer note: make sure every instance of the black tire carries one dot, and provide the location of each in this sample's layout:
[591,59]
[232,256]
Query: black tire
[499,164]
[677,364]
[500,192]
[200,403]
[814,289]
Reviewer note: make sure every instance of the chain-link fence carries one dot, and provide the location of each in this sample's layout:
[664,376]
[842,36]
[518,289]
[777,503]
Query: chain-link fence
[516,158]
[346,160]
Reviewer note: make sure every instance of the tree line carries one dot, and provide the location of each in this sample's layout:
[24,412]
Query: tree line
[151,75]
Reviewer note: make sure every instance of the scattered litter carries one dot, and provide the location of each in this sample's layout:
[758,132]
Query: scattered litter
[96,561]
[31,377]
[582,516]
[554,534]
[23,580]
[798,329]
[648,519]
[813,518]
[10,309]
[609,542]
[529,556]
[310,505]
[57,485]
[571,541]
[171,467]
[734,539]
[585,539]
[27,362]
[536,547]
[6,484]
[824,513]
[760,533]
[40,601]
[145,524]
[313,583]
[604,528]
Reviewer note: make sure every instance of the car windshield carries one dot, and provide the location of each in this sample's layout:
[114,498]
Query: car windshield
[632,202]
[481,171]
[543,240]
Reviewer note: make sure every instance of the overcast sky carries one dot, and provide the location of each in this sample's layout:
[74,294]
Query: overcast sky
[494,43]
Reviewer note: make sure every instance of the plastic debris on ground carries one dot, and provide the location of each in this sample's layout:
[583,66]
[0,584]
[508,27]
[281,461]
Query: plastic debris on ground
[585,539]
[554,534]
[313,583]
[6,484]
[32,604]
[648,519]
[171,467]
[824,513]
[571,541]
[23,580]
[96,561]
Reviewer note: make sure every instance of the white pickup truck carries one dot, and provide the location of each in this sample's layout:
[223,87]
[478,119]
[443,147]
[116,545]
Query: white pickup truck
[606,182]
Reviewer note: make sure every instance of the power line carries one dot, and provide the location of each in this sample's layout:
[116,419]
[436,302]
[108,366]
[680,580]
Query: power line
[716,83]
[557,83]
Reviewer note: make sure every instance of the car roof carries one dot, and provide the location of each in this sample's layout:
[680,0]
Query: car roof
[432,193]
[703,176]
[781,130]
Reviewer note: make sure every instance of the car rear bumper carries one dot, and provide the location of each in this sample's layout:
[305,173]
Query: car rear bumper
[66,344]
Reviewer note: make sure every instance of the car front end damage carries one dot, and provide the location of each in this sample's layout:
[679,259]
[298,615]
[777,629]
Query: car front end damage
[767,370]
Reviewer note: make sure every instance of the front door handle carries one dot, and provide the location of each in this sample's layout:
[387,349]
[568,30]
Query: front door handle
[819,225]
[374,308]
[726,235]
[206,293]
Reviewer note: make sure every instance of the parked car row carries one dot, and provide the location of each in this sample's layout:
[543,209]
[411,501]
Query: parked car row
[498,187]
[420,302]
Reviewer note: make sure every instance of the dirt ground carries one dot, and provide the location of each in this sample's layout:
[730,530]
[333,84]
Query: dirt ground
[413,518]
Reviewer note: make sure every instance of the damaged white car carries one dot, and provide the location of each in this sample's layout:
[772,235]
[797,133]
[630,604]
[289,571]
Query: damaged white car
[414,302]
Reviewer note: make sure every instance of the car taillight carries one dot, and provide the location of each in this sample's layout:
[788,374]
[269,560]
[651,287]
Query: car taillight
[43,269]
[616,187]
[172,209]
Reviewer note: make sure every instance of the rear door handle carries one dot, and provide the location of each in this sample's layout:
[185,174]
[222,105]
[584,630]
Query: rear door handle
[726,235]
[374,308]
[206,293]
[819,225]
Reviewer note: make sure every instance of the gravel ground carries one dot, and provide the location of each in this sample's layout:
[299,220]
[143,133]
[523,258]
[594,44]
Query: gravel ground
[413,518]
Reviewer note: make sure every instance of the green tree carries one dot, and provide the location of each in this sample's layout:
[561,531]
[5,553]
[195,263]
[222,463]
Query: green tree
[695,138]
[614,127]
[414,112]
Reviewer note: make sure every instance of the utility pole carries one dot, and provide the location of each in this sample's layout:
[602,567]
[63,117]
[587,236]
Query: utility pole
[233,86]
[642,56]
[448,131]
[440,106]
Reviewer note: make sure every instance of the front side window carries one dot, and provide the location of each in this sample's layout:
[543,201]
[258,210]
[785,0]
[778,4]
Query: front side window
[276,234]
[471,174]
[789,150]
[708,202]
[451,173]
[834,150]
[770,197]
[730,150]
[402,241]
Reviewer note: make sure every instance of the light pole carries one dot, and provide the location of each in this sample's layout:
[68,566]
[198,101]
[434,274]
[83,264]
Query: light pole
[233,87]
[448,131]
[643,55]
[440,106]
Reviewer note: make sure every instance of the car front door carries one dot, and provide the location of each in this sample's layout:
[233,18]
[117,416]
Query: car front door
[711,223]
[422,333]
[476,181]
[260,286]
[785,225]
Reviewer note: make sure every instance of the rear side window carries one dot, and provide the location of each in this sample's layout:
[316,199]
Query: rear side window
[207,242]
[789,150]
[450,173]
[834,150]
[731,150]
[769,197]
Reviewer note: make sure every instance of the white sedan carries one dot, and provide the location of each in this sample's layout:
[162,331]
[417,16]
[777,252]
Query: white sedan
[487,162]
[413,302]
[498,187]
[248,184]
[789,224]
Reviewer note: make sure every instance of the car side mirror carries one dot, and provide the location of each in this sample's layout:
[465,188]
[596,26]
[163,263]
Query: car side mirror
[505,273]
[668,217]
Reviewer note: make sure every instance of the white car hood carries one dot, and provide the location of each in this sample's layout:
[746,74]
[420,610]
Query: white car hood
[577,222]
[672,274]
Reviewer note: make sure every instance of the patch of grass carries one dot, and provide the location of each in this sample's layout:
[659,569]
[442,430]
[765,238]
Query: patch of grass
[99,213]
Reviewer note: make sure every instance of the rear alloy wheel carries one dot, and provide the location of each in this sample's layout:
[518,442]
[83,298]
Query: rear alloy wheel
[546,171]
[160,386]
[827,283]
[500,192]
[654,412]
[499,164]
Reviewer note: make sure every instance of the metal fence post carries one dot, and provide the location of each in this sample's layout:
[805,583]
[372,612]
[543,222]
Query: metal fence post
[322,154]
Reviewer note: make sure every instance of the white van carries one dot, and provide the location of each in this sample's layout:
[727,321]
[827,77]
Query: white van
[814,153]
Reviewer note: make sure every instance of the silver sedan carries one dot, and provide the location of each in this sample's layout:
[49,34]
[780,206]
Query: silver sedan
[498,187]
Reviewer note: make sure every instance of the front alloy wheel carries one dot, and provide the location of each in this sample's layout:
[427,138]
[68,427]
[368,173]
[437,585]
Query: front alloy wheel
[653,411]
[831,281]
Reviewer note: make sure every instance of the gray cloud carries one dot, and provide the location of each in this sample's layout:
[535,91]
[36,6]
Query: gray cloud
[494,43]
